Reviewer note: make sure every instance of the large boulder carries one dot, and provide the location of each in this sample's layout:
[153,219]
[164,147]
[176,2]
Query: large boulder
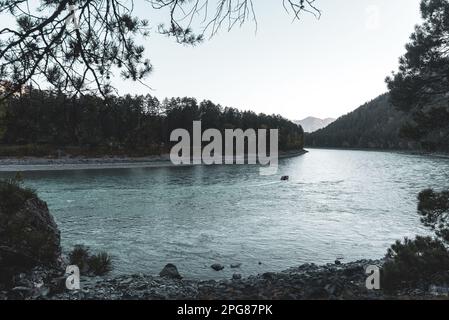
[170,271]
[29,236]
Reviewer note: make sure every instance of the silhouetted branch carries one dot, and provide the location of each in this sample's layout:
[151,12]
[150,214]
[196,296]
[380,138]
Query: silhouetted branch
[77,45]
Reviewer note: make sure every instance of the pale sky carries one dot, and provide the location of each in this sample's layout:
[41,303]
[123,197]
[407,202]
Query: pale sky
[322,68]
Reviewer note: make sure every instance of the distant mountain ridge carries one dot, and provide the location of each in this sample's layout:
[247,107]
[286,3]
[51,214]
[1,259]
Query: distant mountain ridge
[374,125]
[312,124]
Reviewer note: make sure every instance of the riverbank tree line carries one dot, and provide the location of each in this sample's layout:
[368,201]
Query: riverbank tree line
[42,123]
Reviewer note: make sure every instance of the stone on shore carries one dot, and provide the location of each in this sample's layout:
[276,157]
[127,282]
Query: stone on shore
[217,267]
[170,271]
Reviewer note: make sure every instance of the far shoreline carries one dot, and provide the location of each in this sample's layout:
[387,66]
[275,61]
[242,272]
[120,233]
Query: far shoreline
[399,151]
[106,162]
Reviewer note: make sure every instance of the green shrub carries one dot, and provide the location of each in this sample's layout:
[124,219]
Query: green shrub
[100,264]
[414,261]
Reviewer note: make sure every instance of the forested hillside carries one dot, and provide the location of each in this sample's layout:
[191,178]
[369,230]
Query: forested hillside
[375,125]
[41,123]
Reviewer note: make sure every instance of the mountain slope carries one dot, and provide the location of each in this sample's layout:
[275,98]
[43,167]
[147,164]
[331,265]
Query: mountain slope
[374,125]
[312,124]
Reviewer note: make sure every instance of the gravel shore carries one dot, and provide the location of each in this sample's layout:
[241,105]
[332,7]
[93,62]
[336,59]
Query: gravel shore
[80,163]
[84,163]
[306,282]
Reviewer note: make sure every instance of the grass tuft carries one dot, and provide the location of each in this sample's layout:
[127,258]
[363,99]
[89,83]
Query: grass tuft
[80,257]
[97,264]
[100,264]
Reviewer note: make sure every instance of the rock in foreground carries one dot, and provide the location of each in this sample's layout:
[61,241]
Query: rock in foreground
[29,236]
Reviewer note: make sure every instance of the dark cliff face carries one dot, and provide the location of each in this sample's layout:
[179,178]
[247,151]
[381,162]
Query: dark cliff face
[29,236]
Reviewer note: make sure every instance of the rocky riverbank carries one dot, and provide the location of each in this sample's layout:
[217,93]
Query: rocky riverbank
[80,163]
[306,282]
[13,164]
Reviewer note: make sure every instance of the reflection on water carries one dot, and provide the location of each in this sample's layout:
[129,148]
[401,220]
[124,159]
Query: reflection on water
[349,203]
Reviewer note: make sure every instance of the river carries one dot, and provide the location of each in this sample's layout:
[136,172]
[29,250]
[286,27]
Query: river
[352,204]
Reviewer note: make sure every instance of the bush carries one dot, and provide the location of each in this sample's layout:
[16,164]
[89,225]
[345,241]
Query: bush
[434,210]
[13,195]
[414,261]
[80,257]
[98,264]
